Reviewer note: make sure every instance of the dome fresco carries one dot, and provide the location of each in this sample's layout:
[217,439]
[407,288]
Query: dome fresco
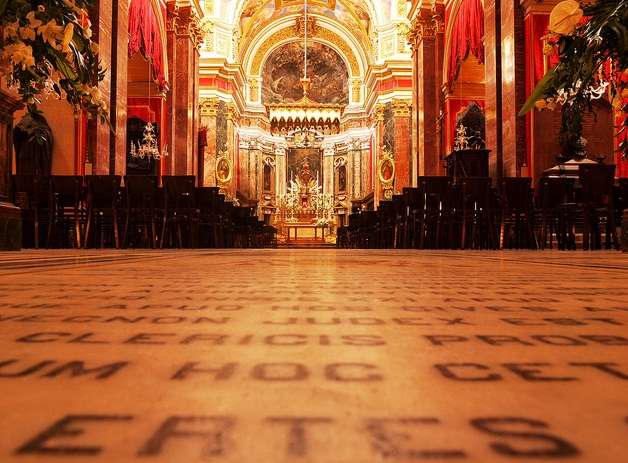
[283,70]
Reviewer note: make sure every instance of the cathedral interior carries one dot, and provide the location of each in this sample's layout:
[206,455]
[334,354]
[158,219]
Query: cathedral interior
[398,235]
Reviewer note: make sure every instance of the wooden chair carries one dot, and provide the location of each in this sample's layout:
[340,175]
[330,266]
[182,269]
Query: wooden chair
[433,219]
[32,195]
[211,221]
[597,205]
[477,214]
[141,200]
[103,203]
[180,212]
[517,213]
[67,215]
[556,206]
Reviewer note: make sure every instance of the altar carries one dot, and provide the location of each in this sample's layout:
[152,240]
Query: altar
[305,212]
[288,227]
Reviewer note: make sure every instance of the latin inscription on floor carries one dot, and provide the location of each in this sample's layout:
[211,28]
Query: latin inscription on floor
[315,356]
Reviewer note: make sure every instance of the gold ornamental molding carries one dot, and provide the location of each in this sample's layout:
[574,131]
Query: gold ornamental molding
[224,171]
[401,108]
[386,173]
[208,106]
[379,112]
[425,24]
[292,33]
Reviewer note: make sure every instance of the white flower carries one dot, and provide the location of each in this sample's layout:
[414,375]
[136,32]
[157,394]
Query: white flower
[33,21]
[67,36]
[9,30]
[565,16]
[27,33]
[70,4]
[540,104]
[95,94]
[19,54]
[51,32]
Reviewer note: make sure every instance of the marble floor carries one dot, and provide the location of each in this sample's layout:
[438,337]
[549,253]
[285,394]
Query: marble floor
[330,356]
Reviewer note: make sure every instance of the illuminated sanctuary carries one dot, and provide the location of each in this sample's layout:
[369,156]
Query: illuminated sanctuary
[333,106]
[322,231]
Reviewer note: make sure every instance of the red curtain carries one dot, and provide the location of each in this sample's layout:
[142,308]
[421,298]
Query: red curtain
[467,36]
[145,37]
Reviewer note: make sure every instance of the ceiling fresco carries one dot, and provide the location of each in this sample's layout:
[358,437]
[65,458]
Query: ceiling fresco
[257,14]
[282,72]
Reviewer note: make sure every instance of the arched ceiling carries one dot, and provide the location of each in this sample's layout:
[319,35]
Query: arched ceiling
[376,12]
[365,34]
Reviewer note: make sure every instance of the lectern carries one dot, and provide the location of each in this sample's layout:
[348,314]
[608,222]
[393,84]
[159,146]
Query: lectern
[467,163]
[10,215]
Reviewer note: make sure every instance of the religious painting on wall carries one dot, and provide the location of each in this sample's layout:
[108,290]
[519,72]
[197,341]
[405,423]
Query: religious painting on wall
[267,174]
[283,70]
[342,179]
[304,166]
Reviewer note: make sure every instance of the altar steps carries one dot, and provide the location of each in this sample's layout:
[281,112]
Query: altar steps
[305,244]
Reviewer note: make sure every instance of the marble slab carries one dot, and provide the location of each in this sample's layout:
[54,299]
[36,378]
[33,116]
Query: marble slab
[331,356]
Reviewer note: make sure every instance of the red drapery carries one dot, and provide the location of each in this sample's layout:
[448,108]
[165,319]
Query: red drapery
[467,36]
[145,37]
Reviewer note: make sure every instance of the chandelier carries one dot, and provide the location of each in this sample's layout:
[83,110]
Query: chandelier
[148,148]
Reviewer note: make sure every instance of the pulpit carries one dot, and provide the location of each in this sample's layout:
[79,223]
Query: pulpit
[467,163]
[10,215]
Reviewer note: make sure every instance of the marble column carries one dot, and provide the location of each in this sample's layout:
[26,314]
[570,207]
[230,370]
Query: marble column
[172,17]
[107,148]
[185,97]
[504,44]
[493,89]
[10,214]
[513,87]
[208,111]
[403,144]
[232,145]
[377,150]
[427,61]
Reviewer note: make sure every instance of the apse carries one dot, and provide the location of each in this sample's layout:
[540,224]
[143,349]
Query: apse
[283,70]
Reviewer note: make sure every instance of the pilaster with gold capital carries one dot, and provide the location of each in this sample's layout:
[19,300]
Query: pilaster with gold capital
[401,108]
[379,112]
[208,107]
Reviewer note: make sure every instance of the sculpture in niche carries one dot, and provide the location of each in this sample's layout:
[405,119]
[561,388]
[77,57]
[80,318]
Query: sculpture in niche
[33,142]
[267,175]
[342,179]
[283,70]
[472,118]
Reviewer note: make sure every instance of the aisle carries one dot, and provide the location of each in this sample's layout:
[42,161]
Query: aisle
[331,356]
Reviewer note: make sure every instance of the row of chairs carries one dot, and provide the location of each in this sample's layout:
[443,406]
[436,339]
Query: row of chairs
[469,214]
[99,210]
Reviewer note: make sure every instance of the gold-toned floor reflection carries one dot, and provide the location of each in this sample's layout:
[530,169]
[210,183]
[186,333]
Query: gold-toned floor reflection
[331,356]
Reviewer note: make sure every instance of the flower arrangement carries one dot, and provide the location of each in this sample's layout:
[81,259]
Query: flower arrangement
[323,222]
[592,62]
[46,48]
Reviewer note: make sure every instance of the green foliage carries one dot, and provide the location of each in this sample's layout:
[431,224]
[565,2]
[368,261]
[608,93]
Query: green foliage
[584,55]
[46,47]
